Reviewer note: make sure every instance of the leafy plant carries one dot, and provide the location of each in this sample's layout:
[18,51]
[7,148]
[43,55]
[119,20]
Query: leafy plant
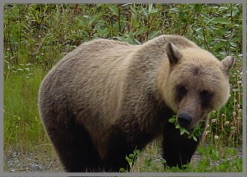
[131,159]
[197,131]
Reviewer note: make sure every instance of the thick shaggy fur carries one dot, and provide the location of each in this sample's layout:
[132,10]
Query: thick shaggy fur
[107,98]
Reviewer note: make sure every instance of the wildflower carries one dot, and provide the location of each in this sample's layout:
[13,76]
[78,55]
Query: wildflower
[213,120]
[227,123]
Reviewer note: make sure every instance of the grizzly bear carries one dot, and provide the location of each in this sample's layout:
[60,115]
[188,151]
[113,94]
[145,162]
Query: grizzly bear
[107,98]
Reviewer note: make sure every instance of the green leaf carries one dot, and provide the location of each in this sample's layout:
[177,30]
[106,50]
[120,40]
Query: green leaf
[174,9]
[194,138]
[219,20]
[198,7]
[182,131]
[223,8]
[133,10]
[172,120]
[177,126]
[131,156]
[114,9]
[153,34]
[220,44]
[141,30]
[150,8]
[122,170]
[181,15]
[233,44]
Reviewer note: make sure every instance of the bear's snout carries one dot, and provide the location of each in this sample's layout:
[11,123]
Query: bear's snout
[184,120]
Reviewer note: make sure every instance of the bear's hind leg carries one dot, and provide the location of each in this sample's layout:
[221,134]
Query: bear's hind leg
[74,147]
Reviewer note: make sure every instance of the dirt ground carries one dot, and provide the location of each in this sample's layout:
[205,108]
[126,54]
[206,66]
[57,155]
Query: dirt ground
[47,161]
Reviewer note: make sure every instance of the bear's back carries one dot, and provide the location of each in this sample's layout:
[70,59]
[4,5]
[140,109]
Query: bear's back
[89,78]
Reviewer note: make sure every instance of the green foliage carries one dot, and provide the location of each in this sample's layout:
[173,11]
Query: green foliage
[131,159]
[197,131]
[39,29]
[221,160]
[209,159]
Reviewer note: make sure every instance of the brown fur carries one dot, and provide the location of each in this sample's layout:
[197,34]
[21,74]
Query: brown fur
[121,96]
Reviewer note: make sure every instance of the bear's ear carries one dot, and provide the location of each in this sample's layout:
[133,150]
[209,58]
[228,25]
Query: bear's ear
[173,53]
[227,63]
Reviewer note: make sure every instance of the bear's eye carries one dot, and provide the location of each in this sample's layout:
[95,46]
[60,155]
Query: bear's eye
[205,97]
[205,94]
[182,89]
[181,92]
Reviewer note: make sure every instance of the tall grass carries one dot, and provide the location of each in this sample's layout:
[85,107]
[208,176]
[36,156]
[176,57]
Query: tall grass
[22,126]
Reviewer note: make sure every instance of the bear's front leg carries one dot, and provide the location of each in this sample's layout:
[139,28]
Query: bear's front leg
[114,161]
[177,149]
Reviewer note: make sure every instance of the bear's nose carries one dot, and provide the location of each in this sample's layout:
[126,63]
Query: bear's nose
[184,119]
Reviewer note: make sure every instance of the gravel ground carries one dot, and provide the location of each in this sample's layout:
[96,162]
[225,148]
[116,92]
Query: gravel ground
[42,161]
[31,162]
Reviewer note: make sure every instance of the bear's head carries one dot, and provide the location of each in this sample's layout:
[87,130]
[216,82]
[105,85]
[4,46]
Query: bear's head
[195,83]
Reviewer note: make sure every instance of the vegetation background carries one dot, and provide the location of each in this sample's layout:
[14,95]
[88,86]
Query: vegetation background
[36,36]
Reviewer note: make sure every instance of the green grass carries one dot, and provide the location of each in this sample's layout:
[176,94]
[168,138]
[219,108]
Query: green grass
[22,126]
[207,159]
